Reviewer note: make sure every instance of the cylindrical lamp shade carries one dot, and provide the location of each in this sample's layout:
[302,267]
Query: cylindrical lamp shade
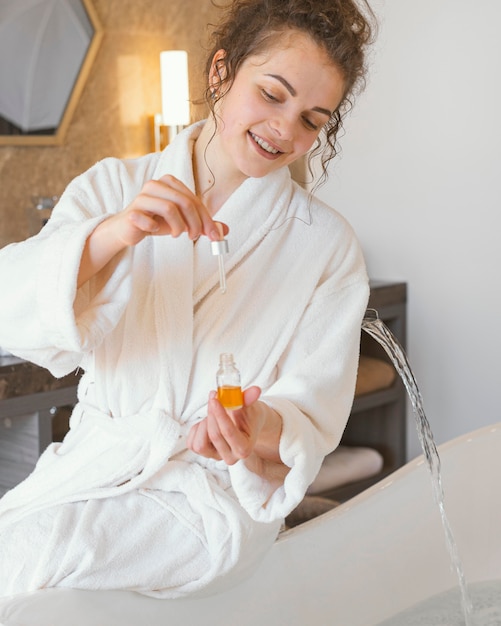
[175,88]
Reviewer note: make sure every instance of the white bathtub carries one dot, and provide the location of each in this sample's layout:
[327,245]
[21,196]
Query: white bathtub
[364,561]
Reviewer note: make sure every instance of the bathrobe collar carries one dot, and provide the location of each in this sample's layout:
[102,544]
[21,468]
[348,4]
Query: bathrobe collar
[269,199]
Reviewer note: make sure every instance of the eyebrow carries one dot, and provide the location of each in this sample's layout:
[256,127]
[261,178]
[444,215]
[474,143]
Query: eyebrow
[293,93]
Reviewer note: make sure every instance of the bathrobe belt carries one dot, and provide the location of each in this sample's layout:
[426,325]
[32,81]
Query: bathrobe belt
[100,457]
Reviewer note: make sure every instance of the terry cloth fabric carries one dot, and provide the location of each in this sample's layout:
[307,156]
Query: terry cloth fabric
[147,332]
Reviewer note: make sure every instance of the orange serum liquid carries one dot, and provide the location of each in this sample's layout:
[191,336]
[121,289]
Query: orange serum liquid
[231,397]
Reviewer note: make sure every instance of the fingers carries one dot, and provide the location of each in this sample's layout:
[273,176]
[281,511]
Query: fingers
[190,209]
[167,207]
[174,210]
[226,435]
[212,436]
[232,438]
[251,395]
[199,442]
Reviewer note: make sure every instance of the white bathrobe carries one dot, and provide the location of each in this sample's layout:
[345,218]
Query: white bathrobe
[147,333]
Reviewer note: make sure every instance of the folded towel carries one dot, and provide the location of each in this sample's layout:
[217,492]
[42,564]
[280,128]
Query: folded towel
[346,465]
[373,375]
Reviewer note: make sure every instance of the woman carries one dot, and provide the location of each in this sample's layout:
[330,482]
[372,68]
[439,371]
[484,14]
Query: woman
[157,488]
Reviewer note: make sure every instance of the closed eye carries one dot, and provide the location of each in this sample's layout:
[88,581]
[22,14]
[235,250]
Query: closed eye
[271,98]
[268,96]
[309,124]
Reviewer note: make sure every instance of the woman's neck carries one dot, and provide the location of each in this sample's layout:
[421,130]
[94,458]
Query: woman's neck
[215,179]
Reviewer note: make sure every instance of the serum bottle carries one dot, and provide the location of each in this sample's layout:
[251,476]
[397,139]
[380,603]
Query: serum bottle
[229,390]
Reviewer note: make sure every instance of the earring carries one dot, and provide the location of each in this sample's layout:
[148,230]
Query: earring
[214,94]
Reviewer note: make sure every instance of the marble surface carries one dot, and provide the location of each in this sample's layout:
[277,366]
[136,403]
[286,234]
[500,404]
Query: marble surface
[112,116]
[19,378]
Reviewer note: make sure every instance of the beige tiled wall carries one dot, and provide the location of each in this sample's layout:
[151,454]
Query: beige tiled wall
[111,118]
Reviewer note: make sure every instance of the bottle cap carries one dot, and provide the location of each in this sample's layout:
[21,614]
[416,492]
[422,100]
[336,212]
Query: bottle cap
[219,247]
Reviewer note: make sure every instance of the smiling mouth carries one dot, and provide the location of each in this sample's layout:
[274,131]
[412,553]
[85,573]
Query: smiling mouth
[264,144]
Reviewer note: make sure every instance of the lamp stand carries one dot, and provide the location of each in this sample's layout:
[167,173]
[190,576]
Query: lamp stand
[161,134]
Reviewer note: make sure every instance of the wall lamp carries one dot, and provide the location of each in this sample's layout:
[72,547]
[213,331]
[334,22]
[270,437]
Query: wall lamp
[174,83]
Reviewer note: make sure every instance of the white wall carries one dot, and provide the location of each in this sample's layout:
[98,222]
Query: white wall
[419,179]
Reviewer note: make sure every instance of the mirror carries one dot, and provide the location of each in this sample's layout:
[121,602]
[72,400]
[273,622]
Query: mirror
[47,48]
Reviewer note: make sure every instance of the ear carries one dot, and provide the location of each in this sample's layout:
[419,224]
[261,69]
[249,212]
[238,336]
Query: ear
[217,72]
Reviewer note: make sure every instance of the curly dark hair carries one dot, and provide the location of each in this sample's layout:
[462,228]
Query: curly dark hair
[340,27]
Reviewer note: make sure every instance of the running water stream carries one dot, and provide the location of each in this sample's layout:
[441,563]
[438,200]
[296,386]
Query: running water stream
[372,325]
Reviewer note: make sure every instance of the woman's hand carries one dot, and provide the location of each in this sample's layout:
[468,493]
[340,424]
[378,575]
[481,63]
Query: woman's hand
[251,433]
[163,207]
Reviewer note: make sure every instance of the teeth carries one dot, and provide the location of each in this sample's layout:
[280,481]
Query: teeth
[266,146]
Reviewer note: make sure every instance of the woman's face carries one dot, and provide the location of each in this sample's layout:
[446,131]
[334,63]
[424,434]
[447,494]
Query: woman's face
[277,105]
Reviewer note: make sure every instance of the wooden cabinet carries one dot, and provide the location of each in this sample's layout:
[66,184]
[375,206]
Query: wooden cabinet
[378,419]
[28,416]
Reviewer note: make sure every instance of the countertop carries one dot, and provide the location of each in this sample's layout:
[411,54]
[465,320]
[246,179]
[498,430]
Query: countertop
[20,378]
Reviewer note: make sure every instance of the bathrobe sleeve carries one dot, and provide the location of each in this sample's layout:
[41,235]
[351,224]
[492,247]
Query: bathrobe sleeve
[45,319]
[314,389]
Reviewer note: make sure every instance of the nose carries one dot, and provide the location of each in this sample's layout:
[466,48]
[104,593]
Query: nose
[283,127]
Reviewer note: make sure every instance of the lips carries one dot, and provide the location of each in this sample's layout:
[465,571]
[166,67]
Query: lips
[264,145]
